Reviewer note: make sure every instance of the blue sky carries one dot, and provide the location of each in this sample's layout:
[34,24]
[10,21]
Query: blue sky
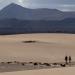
[64,5]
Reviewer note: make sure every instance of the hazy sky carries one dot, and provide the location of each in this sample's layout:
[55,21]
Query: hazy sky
[65,5]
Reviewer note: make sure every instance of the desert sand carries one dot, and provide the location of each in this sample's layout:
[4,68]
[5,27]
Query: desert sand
[49,48]
[59,71]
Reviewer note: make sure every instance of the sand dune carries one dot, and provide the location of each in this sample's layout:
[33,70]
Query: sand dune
[50,48]
[59,71]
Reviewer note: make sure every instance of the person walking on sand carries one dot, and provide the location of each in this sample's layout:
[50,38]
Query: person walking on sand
[66,59]
[70,59]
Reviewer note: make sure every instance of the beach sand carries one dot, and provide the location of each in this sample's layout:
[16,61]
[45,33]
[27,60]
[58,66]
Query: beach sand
[56,71]
[49,48]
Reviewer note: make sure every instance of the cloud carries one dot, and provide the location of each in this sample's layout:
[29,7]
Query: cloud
[67,7]
[64,5]
[21,2]
[4,3]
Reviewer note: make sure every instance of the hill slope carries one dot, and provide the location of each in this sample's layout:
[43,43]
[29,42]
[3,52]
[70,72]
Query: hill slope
[12,26]
[17,19]
[19,12]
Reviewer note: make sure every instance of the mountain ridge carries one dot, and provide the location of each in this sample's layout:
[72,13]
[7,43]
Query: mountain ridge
[15,26]
[19,12]
[15,19]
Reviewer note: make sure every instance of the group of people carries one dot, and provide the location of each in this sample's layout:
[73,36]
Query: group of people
[68,59]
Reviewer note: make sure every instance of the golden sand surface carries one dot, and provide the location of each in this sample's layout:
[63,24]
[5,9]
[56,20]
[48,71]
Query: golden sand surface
[48,48]
[56,71]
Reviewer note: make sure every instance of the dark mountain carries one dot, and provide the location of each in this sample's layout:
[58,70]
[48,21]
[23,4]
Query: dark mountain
[69,14]
[19,12]
[14,26]
[16,19]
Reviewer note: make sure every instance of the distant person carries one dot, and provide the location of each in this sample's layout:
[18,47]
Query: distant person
[66,59]
[70,59]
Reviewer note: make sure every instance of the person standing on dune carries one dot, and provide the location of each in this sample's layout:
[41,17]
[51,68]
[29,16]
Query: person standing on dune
[66,59]
[70,59]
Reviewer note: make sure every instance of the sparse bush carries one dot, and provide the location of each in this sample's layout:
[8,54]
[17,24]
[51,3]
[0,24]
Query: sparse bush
[62,65]
[35,64]
[9,62]
[55,64]
[47,64]
[22,64]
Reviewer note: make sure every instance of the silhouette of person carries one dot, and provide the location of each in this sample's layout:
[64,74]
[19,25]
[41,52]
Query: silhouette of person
[66,59]
[70,59]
